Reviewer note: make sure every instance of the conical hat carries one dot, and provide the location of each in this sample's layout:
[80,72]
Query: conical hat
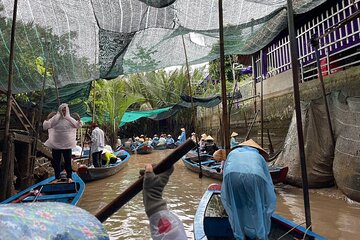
[234,134]
[209,138]
[252,143]
[219,155]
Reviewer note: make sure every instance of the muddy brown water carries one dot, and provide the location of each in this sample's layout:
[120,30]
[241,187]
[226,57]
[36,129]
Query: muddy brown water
[332,216]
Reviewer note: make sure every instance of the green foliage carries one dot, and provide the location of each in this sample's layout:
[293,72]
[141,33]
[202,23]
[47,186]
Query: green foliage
[214,69]
[111,102]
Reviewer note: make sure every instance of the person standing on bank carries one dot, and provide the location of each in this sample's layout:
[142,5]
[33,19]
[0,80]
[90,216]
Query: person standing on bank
[247,191]
[97,144]
[62,138]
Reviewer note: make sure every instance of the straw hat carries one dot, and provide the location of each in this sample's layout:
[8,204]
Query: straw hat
[252,143]
[209,138]
[234,134]
[203,136]
[182,129]
[219,155]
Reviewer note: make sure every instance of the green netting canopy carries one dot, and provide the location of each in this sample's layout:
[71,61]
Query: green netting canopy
[79,41]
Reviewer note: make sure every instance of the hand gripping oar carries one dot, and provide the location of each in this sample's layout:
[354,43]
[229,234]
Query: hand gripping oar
[137,186]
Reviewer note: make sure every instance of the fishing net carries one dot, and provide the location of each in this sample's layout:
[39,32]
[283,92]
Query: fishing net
[78,41]
[324,164]
[317,144]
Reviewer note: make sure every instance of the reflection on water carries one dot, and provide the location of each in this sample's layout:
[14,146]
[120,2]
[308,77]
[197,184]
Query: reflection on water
[331,217]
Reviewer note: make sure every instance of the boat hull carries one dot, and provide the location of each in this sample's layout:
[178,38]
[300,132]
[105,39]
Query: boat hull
[49,190]
[211,221]
[212,169]
[90,174]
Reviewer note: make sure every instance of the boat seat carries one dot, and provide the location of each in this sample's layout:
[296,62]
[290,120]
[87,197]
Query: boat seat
[49,197]
[212,224]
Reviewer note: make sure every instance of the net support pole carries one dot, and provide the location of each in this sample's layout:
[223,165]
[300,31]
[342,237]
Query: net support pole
[192,106]
[295,76]
[223,80]
[7,167]
[315,44]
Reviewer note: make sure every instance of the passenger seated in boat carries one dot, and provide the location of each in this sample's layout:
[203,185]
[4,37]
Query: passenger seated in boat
[155,140]
[164,224]
[233,142]
[202,141]
[129,144]
[169,140]
[108,158]
[246,176]
[193,137]
[210,147]
[220,156]
[162,141]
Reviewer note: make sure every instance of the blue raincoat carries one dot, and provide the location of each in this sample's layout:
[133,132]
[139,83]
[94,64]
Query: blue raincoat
[248,194]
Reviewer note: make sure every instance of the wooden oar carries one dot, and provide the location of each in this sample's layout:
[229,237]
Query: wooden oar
[137,186]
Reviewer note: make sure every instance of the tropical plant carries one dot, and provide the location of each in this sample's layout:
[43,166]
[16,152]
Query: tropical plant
[111,102]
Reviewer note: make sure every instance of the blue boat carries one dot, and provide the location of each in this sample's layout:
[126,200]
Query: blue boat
[51,190]
[90,174]
[211,221]
[212,168]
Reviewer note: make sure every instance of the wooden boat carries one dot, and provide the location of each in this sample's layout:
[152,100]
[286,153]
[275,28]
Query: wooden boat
[144,149]
[90,174]
[160,147]
[211,221]
[212,168]
[50,190]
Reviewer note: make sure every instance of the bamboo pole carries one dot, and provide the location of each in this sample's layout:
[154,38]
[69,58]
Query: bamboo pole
[94,93]
[295,75]
[192,106]
[7,164]
[223,81]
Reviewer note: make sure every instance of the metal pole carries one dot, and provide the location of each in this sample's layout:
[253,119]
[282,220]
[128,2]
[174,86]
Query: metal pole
[223,81]
[94,93]
[192,106]
[262,111]
[295,75]
[5,191]
[315,44]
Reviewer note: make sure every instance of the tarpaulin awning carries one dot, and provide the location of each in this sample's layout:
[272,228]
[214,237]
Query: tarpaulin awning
[135,115]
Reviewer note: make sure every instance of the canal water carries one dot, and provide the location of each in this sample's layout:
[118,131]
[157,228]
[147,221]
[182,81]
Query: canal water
[332,216]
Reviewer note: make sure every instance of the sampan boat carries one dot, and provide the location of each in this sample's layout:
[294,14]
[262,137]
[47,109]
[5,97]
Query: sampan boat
[144,149]
[211,221]
[50,190]
[212,168]
[90,174]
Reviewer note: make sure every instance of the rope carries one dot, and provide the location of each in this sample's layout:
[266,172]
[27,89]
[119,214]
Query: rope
[290,231]
[307,229]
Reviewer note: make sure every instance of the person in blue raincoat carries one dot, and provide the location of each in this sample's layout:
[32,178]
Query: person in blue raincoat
[233,142]
[182,136]
[247,191]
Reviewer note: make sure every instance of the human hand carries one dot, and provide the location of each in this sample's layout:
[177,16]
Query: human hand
[153,187]
[50,115]
[76,116]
